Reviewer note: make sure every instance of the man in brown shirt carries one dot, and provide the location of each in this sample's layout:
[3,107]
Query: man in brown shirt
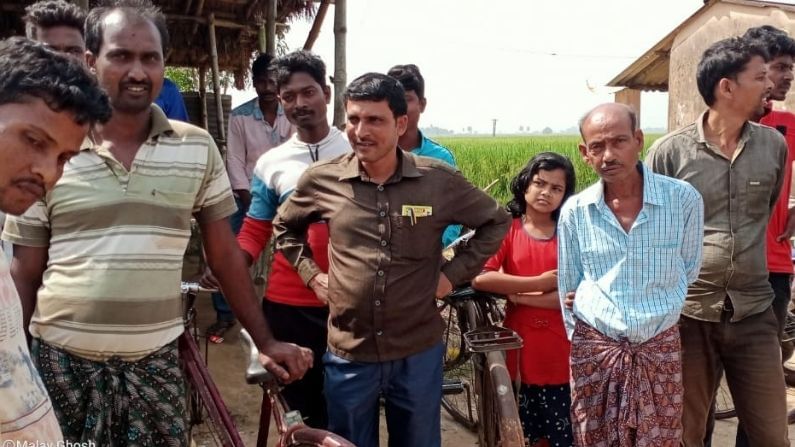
[386,211]
[727,324]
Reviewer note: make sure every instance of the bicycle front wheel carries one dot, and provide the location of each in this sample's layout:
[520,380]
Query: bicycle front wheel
[497,410]
[458,368]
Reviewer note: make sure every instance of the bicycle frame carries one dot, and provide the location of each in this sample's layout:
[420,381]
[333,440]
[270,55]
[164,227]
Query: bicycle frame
[198,376]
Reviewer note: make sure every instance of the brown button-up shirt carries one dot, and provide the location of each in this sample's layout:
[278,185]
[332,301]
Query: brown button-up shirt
[384,263]
[738,197]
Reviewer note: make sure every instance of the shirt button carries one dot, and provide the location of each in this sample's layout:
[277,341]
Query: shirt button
[377,302]
[380,273]
[380,187]
[382,213]
[383,243]
[379,332]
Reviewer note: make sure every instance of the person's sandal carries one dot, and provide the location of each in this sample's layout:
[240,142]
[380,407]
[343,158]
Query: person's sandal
[215,332]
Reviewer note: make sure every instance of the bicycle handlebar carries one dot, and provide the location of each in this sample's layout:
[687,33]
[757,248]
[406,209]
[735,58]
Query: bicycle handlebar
[194,288]
[467,292]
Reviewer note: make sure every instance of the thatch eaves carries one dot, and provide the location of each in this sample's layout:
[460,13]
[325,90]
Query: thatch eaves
[237,28]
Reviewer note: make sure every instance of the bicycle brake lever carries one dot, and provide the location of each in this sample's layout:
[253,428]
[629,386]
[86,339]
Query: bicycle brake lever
[255,372]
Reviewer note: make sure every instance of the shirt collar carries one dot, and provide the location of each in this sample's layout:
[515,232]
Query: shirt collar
[407,167]
[744,135]
[160,126]
[651,193]
[259,116]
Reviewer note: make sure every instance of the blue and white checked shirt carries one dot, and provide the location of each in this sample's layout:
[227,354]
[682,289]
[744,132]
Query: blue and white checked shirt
[630,285]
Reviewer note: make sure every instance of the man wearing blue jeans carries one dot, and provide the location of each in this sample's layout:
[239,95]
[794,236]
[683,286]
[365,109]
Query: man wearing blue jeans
[386,210]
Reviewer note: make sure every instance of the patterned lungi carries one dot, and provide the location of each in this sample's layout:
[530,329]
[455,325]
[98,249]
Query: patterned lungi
[116,403]
[626,394]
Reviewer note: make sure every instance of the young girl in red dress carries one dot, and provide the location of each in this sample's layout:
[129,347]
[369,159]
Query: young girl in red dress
[525,269]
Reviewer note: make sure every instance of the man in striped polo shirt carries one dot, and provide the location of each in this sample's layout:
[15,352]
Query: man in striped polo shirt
[99,260]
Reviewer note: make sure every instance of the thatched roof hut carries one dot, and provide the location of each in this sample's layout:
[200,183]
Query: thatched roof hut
[238,25]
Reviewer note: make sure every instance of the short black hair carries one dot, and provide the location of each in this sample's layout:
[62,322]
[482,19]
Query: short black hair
[777,42]
[300,61]
[141,8]
[410,77]
[725,59]
[260,65]
[60,81]
[50,13]
[547,161]
[377,87]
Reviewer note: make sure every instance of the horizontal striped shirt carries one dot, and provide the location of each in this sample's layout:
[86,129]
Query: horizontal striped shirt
[116,240]
[630,285]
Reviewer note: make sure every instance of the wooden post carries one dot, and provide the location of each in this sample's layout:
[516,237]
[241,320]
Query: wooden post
[199,10]
[340,75]
[270,28]
[203,98]
[219,107]
[630,97]
[263,39]
[316,25]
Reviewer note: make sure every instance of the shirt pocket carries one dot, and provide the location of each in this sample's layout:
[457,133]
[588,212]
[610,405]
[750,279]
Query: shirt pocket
[662,265]
[416,240]
[176,207]
[757,197]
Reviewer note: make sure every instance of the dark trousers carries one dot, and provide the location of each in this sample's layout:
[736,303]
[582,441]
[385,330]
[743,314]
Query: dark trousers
[307,327]
[412,390]
[781,289]
[748,353]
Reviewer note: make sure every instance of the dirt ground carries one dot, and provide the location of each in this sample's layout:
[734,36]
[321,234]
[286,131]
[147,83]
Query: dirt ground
[227,363]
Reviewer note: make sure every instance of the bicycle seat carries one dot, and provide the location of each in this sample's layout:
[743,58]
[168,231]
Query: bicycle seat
[255,372]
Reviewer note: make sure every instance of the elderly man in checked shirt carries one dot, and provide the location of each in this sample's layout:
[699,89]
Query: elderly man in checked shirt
[628,247]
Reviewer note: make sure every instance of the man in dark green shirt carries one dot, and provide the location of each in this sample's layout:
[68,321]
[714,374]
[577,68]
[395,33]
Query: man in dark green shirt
[727,324]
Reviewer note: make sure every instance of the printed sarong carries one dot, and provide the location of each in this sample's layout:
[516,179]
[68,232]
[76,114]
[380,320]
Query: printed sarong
[116,403]
[626,394]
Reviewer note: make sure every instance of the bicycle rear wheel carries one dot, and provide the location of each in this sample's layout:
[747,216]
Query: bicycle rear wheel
[458,369]
[497,410]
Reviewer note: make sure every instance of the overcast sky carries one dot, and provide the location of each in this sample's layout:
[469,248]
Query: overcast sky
[525,62]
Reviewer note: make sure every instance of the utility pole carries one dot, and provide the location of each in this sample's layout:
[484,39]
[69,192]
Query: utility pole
[494,127]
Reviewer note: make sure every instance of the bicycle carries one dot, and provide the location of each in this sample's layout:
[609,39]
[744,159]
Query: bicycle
[206,406]
[289,423]
[476,377]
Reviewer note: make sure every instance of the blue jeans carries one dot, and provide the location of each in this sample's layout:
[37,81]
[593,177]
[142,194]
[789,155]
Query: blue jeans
[412,388]
[222,310]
